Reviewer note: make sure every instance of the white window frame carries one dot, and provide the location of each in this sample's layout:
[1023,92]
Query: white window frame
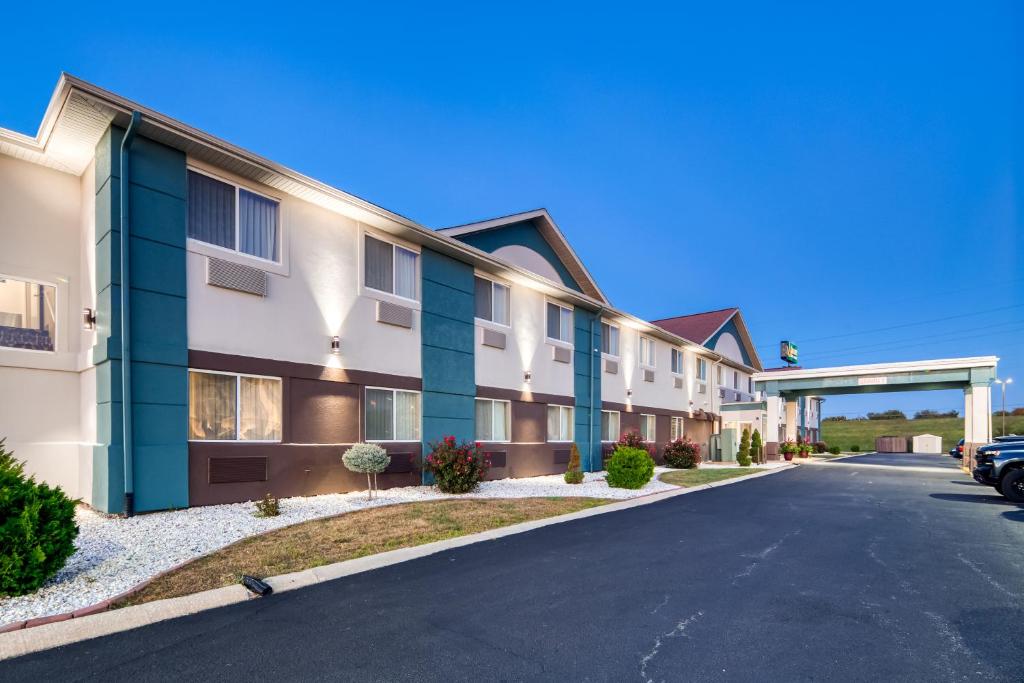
[56,312]
[618,341]
[394,416]
[678,369]
[735,380]
[680,432]
[494,283]
[236,251]
[238,408]
[719,376]
[654,352]
[394,272]
[563,307]
[572,425]
[508,422]
[618,426]
[699,365]
[652,422]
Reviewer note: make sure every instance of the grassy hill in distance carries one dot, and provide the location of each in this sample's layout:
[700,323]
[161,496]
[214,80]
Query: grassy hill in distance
[849,433]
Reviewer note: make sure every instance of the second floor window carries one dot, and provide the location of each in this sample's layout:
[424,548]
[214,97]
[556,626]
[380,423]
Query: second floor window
[677,361]
[646,352]
[735,380]
[609,339]
[232,217]
[391,268]
[559,322]
[492,301]
[750,385]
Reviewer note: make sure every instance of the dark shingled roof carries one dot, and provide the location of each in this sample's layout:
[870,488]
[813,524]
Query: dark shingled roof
[697,327]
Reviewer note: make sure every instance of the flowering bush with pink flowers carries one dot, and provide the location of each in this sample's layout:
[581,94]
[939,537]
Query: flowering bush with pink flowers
[457,467]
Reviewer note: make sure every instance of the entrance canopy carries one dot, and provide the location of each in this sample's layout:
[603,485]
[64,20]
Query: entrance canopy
[946,373]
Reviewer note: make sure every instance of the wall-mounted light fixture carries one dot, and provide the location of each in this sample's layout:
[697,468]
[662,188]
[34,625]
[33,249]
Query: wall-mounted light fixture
[629,392]
[335,344]
[88,318]
[527,376]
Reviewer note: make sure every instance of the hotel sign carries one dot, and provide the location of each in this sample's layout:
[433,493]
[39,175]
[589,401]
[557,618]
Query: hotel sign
[788,352]
[871,381]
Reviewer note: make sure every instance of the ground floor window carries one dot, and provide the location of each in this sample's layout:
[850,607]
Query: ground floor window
[226,406]
[493,419]
[392,415]
[677,428]
[609,425]
[28,314]
[559,423]
[647,427]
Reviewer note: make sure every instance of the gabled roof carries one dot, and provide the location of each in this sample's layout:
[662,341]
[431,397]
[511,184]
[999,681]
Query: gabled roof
[548,229]
[704,328]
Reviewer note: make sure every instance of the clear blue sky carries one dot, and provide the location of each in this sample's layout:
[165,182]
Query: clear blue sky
[830,171]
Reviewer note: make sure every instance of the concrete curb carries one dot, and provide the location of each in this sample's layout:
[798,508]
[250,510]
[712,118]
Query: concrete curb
[62,629]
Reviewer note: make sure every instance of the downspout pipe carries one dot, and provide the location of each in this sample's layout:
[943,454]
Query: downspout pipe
[126,350]
[596,353]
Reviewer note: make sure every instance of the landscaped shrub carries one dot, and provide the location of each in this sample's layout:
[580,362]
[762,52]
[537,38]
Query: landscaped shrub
[743,456]
[573,473]
[633,439]
[269,506]
[630,468]
[756,446]
[682,454]
[37,528]
[820,446]
[834,450]
[855,448]
[457,467]
[369,459]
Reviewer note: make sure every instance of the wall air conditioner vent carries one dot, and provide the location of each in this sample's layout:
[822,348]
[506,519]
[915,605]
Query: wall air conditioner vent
[393,314]
[230,275]
[493,338]
[611,367]
[648,375]
[561,354]
[678,383]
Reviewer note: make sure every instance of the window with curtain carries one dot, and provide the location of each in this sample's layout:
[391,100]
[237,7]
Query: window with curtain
[677,428]
[232,217]
[231,407]
[610,425]
[28,315]
[492,420]
[560,423]
[702,370]
[677,361]
[492,301]
[646,352]
[735,380]
[609,339]
[647,423]
[392,415]
[559,323]
[390,268]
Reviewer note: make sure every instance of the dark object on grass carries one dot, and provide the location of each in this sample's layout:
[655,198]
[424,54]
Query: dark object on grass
[257,586]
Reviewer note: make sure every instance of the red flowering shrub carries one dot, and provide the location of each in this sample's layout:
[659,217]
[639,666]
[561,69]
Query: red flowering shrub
[682,453]
[457,467]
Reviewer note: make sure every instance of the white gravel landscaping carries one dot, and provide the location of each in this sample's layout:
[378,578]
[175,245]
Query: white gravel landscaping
[115,554]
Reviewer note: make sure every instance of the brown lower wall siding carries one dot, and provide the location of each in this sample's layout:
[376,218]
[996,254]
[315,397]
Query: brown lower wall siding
[291,470]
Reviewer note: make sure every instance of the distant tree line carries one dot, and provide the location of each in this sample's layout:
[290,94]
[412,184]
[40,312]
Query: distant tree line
[900,415]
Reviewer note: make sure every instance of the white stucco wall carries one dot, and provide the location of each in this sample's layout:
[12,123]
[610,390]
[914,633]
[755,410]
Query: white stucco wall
[526,348]
[317,294]
[47,235]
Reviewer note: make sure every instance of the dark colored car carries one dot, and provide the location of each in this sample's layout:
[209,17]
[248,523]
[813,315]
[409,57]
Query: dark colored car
[957,451]
[1009,438]
[1001,465]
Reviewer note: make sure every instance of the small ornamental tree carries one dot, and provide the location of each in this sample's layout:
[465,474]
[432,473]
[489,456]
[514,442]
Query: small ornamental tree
[682,454]
[573,474]
[630,468]
[369,459]
[457,467]
[757,447]
[743,456]
[37,528]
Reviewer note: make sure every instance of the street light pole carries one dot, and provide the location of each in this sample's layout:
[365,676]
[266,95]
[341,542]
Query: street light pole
[1004,382]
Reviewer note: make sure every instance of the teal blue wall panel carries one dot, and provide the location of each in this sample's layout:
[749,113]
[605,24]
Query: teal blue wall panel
[731,328]
[587,381]
[525,234]
[447,334]
[158,327]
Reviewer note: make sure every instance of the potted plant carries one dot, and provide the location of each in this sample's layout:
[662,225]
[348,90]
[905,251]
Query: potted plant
[789,449]
[805,450]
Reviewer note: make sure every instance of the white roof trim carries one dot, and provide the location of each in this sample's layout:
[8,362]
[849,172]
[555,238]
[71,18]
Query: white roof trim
[883,368]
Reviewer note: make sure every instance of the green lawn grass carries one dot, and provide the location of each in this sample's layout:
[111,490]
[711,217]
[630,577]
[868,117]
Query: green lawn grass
[849,433]
[688,478]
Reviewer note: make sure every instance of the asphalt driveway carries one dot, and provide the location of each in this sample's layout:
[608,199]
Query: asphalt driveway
[902,460]
[815,573]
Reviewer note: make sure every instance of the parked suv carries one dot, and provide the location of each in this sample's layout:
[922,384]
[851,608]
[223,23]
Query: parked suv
[957,451]
[1001,465]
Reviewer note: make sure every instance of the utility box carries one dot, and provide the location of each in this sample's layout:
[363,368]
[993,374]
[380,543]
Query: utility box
[927,443]
[891,444]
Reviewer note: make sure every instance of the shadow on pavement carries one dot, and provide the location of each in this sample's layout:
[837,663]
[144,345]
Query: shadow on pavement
[1014,515]
[964,483]
[993,499]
